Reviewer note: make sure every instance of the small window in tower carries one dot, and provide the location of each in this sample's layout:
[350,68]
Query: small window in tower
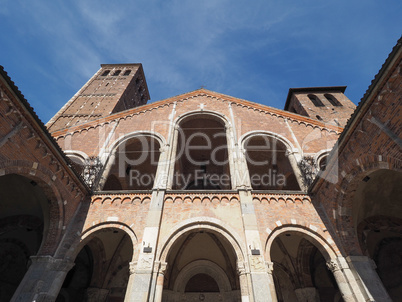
[105,73]
[117,72]
[127,72]
[315,100]
[332,100]
[323,163]
[318,117]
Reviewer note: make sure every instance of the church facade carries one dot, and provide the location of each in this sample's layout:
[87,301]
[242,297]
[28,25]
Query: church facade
[202,196]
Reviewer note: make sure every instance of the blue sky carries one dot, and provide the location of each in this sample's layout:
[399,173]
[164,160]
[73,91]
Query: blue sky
[255,50]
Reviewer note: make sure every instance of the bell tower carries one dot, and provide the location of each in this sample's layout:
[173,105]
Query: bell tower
[113,88]
[327,104]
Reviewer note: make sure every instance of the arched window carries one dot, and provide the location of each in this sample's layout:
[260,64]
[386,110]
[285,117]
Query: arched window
[127,72]
[322,163]
[315,100]
[135,165]
[202,155]
[332,100]
[116,73]
[269,165]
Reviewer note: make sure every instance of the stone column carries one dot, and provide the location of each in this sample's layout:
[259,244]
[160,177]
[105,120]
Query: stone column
[270,270]
[106,170]
[368,279]
[43,280]
[336,267]
[159,282]
[244,282]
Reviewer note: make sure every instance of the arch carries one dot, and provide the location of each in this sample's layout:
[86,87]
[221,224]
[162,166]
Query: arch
[199,223]
[80,154]
[203,267]
[271,160]
[146,164]
[271,134]
[326,249]
[333,100]
[201,143]
[315,100]
[354,174]
[181,118]
[43,178]
[115,144]
[89,233]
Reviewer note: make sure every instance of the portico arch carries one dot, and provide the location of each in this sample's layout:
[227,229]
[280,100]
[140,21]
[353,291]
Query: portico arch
[202,259]
[300,258]
[102,261]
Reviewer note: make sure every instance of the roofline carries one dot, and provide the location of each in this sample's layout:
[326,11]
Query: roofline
[362,107]
[312,89]
[32,114]
[197,92]
[121,64]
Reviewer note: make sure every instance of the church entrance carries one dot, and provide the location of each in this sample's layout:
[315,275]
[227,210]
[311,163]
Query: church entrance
[201,266]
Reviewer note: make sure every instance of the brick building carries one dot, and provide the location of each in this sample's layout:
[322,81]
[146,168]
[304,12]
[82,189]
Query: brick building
[202,196]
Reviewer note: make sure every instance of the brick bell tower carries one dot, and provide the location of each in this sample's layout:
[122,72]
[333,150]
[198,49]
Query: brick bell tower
[114,88]
[327,104]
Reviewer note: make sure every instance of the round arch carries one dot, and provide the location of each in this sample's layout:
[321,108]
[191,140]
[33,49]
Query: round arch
[89,233]
[200,223]
[320,243]
[115,144]
[202,267]
[271,134]
[188,115]
[43,178]
[219,139]
[349,184]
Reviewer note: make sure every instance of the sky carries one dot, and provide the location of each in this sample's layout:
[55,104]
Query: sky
[253,50]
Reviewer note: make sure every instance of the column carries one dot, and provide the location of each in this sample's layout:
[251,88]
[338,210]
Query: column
[260,281]
[270,269]
[244,282]
[43,280]
[141,285]
[370,283]
[347,284]
[159,282]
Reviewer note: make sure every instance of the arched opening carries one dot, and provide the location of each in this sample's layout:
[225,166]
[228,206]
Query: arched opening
[202,160]
[201,265]
[24,221]
[315,100]
[77,162]
[268,164]
[135,164]
[332,100]
[377,214]
[322,162]
[300,272]
[101,268]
